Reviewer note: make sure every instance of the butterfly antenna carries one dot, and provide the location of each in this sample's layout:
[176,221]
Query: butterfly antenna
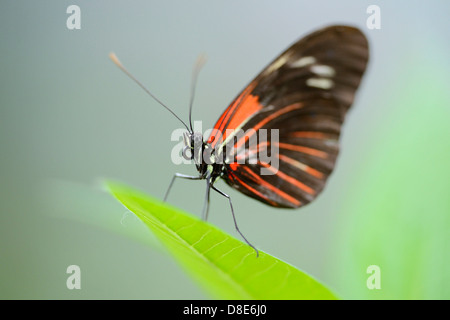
[114,59]
[201,60]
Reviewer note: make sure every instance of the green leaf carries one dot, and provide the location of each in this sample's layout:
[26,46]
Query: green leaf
[226,267]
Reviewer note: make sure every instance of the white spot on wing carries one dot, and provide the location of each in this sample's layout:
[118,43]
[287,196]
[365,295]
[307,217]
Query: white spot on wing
[321,83]
[302,62]
[276,64]
[268,108]
[323,70]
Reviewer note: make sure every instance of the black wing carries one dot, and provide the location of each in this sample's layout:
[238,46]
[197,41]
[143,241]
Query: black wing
[305,94]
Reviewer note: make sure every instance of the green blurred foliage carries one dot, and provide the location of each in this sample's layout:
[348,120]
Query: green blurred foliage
[398,213]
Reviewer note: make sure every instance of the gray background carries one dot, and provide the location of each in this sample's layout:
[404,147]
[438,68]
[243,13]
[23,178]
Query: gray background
[69,117]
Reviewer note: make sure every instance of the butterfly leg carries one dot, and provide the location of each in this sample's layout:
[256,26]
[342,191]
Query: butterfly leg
[206,205]
[179,175]
[234,218]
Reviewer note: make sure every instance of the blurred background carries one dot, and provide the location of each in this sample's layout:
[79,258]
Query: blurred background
[69,118]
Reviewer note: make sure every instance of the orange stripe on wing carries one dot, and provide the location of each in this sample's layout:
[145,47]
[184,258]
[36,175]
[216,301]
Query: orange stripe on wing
[272,188]
[253,190]
[289,179]
[269,118]
[302,166]
[307,150]
[250,105]
[282,157]
[311,134]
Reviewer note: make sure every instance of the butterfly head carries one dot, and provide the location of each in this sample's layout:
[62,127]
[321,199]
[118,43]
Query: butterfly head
[193,147]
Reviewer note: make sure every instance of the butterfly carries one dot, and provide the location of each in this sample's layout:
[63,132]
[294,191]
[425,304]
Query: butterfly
[301,99]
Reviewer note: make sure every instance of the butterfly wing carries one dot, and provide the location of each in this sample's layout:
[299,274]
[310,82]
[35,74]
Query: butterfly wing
[304,94]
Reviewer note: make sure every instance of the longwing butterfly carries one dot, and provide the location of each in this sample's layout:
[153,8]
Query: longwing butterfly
[304,95]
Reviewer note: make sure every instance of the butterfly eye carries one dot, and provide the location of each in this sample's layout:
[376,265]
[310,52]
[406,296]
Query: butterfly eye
[187,156]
